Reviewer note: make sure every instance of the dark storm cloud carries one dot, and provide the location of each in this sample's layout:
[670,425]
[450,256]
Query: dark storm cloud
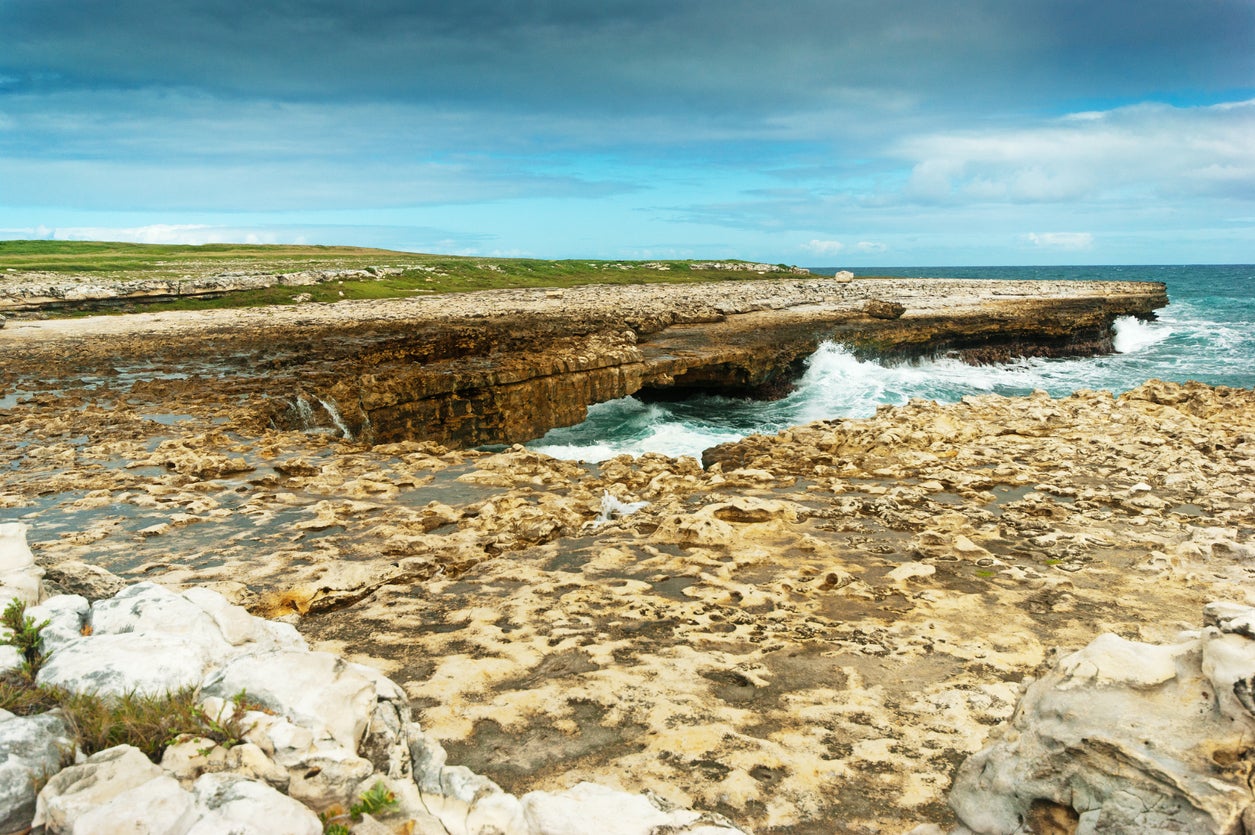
[707,58]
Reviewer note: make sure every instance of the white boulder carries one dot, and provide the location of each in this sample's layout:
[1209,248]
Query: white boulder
[31,747]
[153,640]
[1127,737]
[316,690]
[111,665]
[234,804]
[64,617]
[19,576]
[94,783]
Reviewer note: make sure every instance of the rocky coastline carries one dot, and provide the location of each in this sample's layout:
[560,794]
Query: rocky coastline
[824,631]
[506,366]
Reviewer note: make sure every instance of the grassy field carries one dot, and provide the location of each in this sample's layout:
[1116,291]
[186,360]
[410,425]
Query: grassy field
[422,273]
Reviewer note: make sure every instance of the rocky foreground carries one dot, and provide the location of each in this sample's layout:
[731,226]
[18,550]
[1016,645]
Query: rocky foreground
[809,635]
[812,633]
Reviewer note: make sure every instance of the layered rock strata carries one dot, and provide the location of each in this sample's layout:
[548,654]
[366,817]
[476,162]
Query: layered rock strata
[506,366]
[809,635]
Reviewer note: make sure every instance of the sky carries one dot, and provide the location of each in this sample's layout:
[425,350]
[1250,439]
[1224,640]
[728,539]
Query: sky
[811,132]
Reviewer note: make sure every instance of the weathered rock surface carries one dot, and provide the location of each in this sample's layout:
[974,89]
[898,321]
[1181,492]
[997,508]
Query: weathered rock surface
[809,635]
[317,733]
[31,748]
[1124,736]
[19,576]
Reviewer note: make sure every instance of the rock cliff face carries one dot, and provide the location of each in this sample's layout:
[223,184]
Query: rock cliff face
[447,370]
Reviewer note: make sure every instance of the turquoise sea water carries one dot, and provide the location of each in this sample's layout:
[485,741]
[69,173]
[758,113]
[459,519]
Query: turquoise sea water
[1206,333]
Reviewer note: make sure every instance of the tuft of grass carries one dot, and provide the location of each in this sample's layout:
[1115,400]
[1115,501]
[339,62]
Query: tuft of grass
[149,722]
[23,634]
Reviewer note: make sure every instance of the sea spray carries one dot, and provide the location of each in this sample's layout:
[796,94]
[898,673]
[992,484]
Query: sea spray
[1133,334]
[613,508]
[336,419]
[304,412]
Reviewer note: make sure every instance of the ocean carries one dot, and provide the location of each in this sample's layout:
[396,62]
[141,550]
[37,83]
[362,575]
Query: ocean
[1206,333]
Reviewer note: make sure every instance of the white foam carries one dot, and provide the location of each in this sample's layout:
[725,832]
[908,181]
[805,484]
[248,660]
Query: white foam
[613,508]
[1181,344]
[588,453]
[1133,335]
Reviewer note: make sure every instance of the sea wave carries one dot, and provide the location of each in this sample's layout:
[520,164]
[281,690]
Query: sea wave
[1204,334]
[1133,334]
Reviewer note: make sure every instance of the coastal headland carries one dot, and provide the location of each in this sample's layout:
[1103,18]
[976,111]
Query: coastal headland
[806,633]
[506,366]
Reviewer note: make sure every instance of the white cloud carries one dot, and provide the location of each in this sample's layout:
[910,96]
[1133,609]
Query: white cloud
[823,247]
[1145,151]
[1061,240]
[164,233]
[870,246]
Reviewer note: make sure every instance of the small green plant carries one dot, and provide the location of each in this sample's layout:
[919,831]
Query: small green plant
[24,634]
[149,722]
[374,800]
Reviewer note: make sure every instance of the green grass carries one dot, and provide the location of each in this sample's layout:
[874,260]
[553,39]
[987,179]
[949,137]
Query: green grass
[149,722]
[423,274]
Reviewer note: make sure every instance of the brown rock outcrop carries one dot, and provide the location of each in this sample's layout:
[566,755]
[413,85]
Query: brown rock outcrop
[507,366]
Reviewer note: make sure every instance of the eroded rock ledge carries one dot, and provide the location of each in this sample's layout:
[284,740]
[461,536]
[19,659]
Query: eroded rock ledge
[506,366]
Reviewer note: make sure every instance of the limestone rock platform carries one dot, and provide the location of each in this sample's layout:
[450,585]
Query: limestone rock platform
[506,366]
